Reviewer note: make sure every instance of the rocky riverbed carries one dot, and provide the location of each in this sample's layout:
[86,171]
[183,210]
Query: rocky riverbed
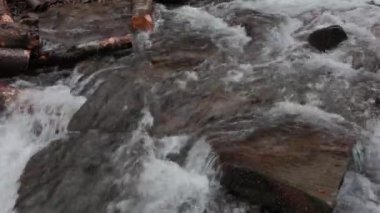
[227,106]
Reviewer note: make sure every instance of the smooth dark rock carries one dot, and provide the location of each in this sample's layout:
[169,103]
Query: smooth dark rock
[70,176]
[327,38]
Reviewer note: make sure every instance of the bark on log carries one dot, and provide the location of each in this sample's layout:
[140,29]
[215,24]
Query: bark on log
[13,36]
[142,15]
[13,61]
[82,51]
[38,5]
[5,14]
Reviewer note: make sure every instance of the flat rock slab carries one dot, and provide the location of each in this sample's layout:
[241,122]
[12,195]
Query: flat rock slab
[294,166]
[64,27]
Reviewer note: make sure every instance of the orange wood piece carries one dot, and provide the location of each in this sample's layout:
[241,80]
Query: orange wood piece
[144,23]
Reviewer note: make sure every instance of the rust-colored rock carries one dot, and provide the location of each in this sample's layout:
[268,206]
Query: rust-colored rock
[5,14]
[142,15]
[294,167]
[7,95]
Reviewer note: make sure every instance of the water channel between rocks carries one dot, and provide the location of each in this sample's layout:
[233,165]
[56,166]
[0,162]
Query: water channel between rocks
[217,84]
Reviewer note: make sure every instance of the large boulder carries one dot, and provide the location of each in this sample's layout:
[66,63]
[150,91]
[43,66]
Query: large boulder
[327,38]
[287,167]
[70,176]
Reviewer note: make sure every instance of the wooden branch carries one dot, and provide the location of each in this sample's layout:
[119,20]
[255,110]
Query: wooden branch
[80,52]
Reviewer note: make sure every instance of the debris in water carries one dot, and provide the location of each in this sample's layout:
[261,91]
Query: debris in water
[13,61]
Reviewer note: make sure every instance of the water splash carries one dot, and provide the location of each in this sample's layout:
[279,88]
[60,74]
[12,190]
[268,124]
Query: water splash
[227,38]
[163,185]
[35,118]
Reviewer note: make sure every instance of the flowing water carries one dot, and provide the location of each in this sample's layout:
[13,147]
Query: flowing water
[338,86]
[37,116]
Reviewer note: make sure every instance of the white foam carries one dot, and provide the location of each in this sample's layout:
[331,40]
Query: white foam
[330,62]
[189,76]
[295,7]
[165,187]
[313,99]
[357,195]
[361,191]
[171,145]
[307,112]
[162,185]
[239,74]
[226,37]
[34,119]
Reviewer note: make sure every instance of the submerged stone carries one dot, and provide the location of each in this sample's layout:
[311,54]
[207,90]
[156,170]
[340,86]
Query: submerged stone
[327,38]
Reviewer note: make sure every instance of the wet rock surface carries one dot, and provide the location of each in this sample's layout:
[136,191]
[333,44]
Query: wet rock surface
[70,176]
[65,27]
[206,112]
[275,164]
[327,38]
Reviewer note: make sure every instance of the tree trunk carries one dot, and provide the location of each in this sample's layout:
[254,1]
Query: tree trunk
[13,61]
[82,51]
[13,35]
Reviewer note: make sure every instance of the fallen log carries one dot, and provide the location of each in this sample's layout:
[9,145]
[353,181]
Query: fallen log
[38,5]
[13,61]
[13,35]
[82,51]
[142,15]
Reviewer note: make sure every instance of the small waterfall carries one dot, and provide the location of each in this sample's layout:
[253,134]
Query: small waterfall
[36,117]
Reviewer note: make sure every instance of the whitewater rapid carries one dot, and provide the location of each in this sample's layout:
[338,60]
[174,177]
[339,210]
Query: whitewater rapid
[165,186]
[37,116]
[284,49]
